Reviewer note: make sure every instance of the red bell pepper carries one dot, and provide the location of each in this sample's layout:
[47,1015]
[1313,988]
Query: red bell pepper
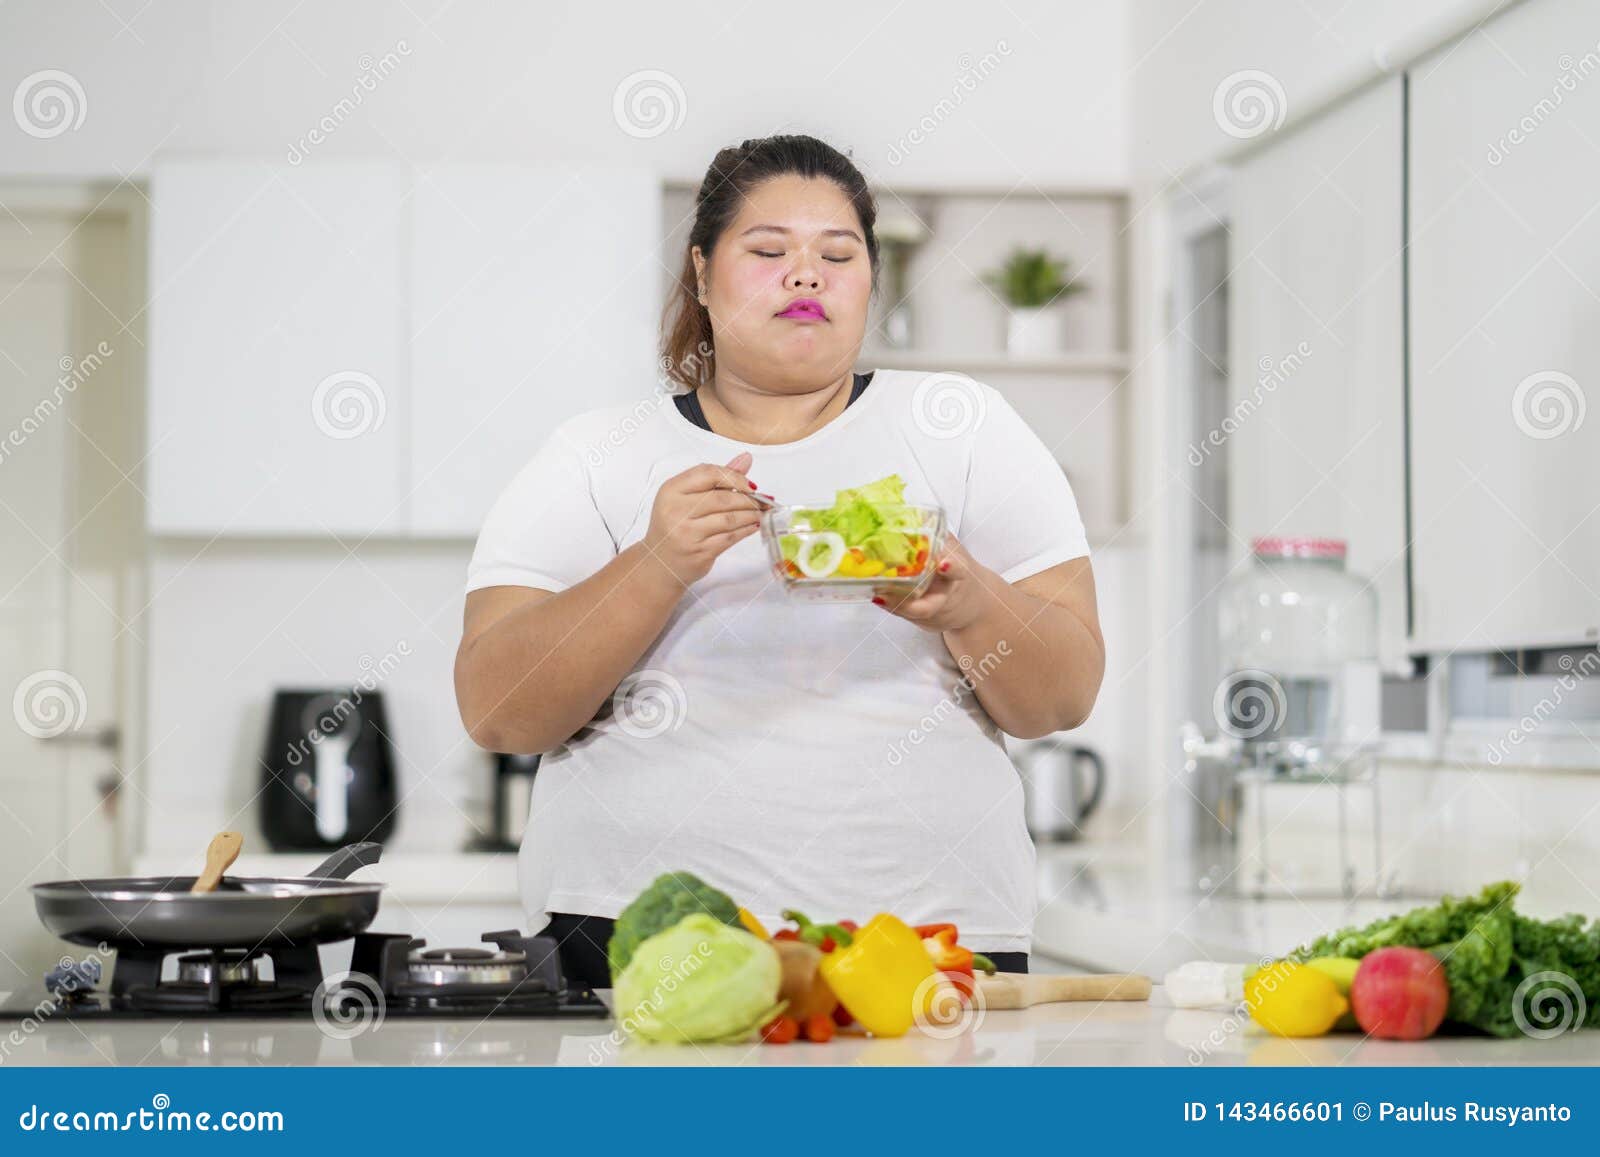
[956,962]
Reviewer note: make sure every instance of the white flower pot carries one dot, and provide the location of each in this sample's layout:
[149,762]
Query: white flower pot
[1033,332]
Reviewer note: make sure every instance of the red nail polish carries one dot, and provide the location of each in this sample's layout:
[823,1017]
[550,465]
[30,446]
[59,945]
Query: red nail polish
[752,484]
[877,602]
[944,566]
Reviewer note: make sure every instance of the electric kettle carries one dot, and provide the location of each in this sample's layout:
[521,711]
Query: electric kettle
[1061,784]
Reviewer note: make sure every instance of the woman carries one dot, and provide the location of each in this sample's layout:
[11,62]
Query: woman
[623,617]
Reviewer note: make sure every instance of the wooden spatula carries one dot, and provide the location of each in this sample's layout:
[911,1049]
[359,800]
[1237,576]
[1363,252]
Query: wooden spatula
[220,854]
[1024,990]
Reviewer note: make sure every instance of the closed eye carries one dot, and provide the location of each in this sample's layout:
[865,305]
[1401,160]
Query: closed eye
[764,253]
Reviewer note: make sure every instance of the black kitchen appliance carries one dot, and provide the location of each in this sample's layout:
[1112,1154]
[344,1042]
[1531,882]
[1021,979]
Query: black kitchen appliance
[519,976]
[328,776]
[512,796]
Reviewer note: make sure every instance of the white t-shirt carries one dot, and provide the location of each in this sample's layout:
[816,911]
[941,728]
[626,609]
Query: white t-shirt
[821,757]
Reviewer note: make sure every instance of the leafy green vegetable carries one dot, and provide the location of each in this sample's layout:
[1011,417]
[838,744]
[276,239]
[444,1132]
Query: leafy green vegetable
[874,518]
[1488,952]
[699,981]
[668,900]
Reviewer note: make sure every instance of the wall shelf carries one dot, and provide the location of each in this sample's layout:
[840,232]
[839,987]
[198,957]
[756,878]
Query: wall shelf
[977,362]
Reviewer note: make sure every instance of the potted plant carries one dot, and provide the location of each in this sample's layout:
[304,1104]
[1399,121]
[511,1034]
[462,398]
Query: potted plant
[1032,283]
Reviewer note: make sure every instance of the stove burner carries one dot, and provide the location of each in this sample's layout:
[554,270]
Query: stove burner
[467,967]
[223,979]
[200,967]
[513,976]
[523,975]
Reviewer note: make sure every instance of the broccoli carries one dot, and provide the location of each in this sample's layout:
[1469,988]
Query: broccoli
[1487,950]
[660,906]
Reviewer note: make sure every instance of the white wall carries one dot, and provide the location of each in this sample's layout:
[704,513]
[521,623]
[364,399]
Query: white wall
[232,621]
[502,81]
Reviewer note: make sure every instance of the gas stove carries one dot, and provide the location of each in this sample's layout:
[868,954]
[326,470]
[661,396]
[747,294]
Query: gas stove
[517,976]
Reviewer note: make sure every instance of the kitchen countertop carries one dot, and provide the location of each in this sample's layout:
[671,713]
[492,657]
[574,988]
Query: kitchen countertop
[1115,1034]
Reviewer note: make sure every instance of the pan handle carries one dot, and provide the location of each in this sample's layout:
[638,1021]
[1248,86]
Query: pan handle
[346,860]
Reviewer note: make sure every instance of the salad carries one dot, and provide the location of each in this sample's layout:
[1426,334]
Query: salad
[869,532]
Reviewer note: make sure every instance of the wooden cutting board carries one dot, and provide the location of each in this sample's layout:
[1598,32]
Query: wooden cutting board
[1024,990]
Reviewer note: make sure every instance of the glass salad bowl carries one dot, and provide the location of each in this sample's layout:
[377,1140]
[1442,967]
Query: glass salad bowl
[821,560]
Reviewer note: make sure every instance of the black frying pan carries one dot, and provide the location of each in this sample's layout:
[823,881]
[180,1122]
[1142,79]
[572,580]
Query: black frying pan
[244,912]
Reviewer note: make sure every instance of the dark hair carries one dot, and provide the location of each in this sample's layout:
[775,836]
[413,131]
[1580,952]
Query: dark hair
[687,353]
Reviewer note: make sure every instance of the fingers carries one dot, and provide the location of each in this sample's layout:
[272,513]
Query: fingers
[914,608]
[698,479]
[720,542]
[725,521]
[719,501]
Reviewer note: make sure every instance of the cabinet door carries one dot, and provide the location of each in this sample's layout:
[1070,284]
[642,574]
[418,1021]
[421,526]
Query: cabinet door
[1315,436]
[276,388]
[1505,312]
[535,298]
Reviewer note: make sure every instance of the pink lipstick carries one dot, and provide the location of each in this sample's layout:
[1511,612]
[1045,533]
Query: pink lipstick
[804,309]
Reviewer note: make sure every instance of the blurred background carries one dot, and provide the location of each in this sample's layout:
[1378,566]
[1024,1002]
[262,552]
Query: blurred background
[1302,295]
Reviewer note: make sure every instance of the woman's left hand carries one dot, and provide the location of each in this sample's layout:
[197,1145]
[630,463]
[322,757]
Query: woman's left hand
[957,596]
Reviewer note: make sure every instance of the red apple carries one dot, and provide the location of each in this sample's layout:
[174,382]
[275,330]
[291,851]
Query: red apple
[1399,994]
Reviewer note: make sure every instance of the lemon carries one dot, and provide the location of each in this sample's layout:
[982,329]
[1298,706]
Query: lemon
[1343,971]
[1289,999]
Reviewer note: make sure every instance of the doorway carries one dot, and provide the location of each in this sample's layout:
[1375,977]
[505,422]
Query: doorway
[71,546]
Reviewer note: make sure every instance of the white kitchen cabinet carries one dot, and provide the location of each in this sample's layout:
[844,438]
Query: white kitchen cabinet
[535,297]
[1505,309]
[1315,434]
[276,348]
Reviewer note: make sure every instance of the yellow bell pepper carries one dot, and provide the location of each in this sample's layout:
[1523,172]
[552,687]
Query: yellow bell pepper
[881,973]
[752,925]
[856,564]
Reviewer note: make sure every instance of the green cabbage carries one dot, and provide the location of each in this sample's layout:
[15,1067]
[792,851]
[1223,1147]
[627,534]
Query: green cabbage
[700,981]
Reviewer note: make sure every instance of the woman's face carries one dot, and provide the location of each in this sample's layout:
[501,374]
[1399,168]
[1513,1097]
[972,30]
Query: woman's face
[794,240]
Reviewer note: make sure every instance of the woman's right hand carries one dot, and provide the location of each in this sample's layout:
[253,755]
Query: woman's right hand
[700,513]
